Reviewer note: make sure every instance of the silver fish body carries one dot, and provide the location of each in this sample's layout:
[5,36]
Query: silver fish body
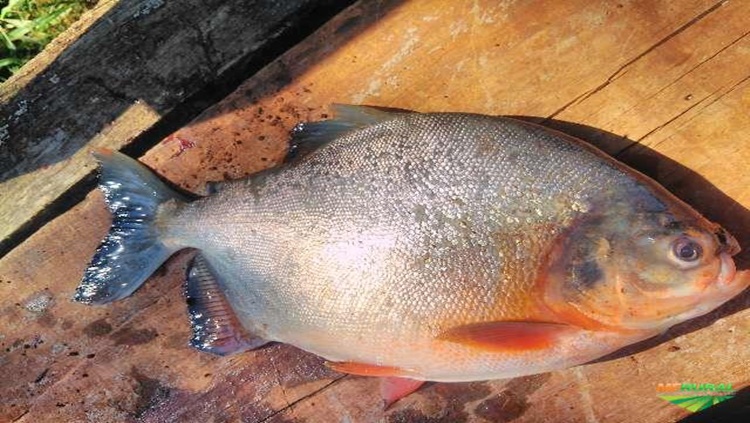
[402,227]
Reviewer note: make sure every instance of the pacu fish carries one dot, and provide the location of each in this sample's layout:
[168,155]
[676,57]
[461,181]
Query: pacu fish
[440,246]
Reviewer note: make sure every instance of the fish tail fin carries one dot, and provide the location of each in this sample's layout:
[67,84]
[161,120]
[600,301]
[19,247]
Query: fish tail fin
[132,250]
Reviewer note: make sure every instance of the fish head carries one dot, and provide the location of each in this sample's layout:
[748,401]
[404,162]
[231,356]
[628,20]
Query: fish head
[643,271]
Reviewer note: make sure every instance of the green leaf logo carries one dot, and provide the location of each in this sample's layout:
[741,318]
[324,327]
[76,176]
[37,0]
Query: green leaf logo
[695,403]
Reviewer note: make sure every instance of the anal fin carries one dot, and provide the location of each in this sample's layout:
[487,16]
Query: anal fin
[216,328]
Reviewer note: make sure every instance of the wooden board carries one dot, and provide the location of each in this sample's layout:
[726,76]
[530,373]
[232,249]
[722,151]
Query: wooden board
[137,64]
[664,86]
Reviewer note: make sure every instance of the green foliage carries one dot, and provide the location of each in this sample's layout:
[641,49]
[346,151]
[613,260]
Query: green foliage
[26,26]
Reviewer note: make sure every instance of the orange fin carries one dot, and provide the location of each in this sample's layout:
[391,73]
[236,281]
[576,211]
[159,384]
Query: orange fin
[393,389]
[508,336]
[363,369]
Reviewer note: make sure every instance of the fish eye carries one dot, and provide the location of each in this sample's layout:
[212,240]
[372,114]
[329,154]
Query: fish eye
[686,250]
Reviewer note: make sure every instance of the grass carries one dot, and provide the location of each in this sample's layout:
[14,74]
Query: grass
[26,26]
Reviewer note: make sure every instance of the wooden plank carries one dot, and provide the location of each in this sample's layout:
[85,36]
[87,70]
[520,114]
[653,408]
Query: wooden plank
[136,63]
[646,100]
[600,66]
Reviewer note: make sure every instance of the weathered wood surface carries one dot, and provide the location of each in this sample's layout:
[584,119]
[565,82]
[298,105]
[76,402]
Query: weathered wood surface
[667,84]
[136,62]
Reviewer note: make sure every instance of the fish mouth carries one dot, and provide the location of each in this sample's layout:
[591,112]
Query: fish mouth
[727,272]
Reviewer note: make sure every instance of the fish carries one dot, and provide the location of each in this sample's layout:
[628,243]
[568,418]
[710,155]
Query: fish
[446,247]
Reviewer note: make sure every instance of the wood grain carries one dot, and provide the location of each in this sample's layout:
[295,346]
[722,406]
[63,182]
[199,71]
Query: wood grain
[663,86]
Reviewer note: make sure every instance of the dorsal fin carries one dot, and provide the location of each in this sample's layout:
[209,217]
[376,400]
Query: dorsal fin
[360,116]
[309,136]
[216,328]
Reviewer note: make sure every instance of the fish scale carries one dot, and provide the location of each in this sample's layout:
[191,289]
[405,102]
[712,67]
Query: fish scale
[437,158]
[443,246]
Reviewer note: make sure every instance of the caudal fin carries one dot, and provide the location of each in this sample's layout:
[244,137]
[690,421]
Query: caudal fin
[132,250]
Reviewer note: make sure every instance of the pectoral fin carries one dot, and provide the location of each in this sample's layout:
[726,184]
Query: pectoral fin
[216,328]
[508,336]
